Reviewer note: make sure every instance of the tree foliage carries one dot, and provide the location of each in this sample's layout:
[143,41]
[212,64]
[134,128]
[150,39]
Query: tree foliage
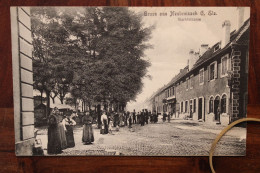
[95,53]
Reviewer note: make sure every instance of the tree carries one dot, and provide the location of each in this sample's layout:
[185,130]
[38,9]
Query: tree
[94,53]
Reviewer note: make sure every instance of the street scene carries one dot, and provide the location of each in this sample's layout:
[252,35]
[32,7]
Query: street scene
[177,137]
[129,81]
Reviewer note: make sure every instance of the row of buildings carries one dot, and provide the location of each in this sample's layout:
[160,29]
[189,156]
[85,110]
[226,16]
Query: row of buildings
[212,87]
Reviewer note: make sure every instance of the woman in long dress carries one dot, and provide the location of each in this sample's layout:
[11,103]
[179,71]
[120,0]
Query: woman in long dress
[61,127]
[69,123]
[54,139]
[88,136]
[104,121]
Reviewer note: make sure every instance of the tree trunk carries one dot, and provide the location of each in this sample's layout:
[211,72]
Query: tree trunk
[61,99]
[99,115]
[48,103]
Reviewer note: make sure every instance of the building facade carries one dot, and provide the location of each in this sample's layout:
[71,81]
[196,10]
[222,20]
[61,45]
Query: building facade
[212,88]
[22,80]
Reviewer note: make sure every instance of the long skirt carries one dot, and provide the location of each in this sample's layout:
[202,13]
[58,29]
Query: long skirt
[104,128]
[54,140]
[88,136]
[62,136]
[70,137]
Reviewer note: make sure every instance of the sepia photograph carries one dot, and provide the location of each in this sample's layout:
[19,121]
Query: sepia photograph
[129,81]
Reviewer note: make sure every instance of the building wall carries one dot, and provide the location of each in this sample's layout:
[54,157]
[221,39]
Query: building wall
[212,88]
[22,79]
[159,105]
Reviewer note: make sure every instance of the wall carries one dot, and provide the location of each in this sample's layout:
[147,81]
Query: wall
[22,79]
[218,86]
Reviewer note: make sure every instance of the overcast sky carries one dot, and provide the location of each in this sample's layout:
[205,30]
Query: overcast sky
[172,40]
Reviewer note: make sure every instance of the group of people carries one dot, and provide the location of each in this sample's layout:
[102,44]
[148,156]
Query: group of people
[60,131]
[120,119]
[166,116]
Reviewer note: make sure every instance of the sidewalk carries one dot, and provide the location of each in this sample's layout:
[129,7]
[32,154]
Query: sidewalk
[238,132]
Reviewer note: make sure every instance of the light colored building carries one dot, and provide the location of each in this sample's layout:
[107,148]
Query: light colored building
[213,85]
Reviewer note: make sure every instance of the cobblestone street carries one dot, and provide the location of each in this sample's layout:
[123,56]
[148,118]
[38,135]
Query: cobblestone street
[177,138]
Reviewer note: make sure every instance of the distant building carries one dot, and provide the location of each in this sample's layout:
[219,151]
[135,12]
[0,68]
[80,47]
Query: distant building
[202,90]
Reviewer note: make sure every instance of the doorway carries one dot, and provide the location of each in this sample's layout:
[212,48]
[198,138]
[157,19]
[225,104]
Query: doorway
[200,109]
[217,108]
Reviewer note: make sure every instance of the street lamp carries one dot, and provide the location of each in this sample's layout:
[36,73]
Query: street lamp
[230,83]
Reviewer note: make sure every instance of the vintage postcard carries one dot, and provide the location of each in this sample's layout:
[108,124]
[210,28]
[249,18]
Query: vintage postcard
[129,81]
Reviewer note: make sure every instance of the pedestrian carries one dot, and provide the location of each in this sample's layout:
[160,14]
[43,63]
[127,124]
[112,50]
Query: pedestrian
[169,117]
[154,116]
[116,121]
[61,127]
[54,139]
[69,123]
[142,118]
[146,116]
[134,117]
[138,117]
[88,136]
[130,120]
[104,121]
[164,116]
[110,125]
[121,122]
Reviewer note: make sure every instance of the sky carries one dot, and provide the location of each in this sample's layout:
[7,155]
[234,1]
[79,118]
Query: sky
[172,40]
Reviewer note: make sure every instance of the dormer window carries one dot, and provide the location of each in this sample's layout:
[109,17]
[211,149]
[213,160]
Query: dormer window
[217,47]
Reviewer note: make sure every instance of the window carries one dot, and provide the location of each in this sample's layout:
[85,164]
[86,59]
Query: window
[224,104]
[186,106]
[211,104]
[191,109]
[194,105]
[201,76]
[181,106]
[212,71]
[224,65]
[217,47]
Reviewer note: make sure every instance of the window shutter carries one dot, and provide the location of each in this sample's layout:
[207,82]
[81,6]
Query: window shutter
[215,70]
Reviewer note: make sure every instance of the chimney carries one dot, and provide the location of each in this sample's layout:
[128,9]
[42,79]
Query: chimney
[203,49]
[240,17]
[225,33]
[193,57]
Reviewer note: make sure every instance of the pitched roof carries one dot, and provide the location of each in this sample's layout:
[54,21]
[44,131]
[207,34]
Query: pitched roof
[240,37]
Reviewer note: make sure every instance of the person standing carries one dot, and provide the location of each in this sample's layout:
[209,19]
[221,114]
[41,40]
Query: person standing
[169,117]
[69,123]
[138,118]
[142,118]
[104,121]
[88,136]
[54,139]
[134,117]
[110,120]
[146,116]
[116,121]
[130,119]
[61,127]
[164,116]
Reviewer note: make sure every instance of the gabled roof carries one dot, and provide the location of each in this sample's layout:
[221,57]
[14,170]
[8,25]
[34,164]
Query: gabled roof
[240,37]
[234,37]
